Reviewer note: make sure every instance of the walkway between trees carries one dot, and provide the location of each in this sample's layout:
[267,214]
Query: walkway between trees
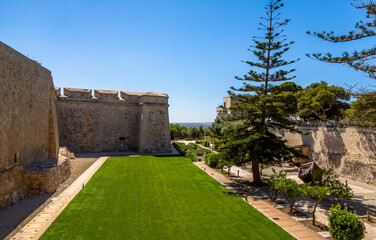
[292,227]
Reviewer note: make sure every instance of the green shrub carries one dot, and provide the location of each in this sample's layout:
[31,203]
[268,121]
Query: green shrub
[206,143]
[198,141]
[190,155]
[212,160]
[188,139]
[345,225]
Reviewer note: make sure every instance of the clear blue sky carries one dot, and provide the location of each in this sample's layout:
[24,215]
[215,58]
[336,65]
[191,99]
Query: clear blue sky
[189,49]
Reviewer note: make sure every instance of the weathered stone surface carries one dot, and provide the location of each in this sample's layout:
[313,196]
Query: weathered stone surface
[349,151]
[28,126]
[103,122]
[47,175]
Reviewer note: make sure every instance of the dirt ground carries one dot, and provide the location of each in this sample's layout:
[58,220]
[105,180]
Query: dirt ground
[15,217]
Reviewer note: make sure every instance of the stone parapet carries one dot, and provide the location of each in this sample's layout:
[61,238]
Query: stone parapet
[111,96]
[106,95]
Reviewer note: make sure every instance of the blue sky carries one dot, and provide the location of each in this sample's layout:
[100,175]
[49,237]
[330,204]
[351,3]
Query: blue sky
[189,49]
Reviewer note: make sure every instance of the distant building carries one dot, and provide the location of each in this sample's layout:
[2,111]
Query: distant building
[225,108]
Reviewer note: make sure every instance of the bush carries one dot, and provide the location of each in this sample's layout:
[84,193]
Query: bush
[188,139]
[206,143]
[345,225]
[191,156]
[212,160]
[198,141]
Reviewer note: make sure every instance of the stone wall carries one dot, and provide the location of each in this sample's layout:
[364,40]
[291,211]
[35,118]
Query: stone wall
[28,123]
[349,151]
[105,120]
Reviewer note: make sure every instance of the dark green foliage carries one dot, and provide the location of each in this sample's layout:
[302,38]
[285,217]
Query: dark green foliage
[337,189]
[290,189]
[345,225]
[317,193]
[259,104]
[218,124]
[206,143]
[191,151]
[177,131]
[360,60]
[363,110]
[273,181]
[340,190]
[319,101]
[212,160]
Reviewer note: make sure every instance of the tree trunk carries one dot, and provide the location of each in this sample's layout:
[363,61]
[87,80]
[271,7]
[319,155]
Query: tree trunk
[291,206]
[313,213]
[256,172]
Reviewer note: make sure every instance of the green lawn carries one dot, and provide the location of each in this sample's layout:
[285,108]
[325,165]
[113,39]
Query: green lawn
[159,198]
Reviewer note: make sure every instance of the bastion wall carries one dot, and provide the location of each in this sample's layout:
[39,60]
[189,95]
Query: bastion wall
[109,121]
[28,124]
[349,151]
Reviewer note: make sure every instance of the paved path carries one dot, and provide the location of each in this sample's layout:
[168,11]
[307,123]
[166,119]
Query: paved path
[39,224]
[292,227]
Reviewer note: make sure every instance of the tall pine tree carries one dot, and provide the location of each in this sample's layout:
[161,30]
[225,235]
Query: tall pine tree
[258,109]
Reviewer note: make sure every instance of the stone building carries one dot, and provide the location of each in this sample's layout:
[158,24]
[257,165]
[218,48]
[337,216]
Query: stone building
[225,108]
[37,121]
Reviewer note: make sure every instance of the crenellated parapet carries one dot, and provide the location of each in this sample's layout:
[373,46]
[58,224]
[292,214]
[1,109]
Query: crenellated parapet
[110,96]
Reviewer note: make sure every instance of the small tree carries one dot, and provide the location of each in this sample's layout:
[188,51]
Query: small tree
[345,225]
[340,190]
[273,181]
[317,193]
[290,189]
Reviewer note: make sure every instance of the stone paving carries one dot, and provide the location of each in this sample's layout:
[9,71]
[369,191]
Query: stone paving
[39,224]
[289,225]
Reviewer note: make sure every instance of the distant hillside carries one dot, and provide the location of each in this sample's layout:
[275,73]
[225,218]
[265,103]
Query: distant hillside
[195,124]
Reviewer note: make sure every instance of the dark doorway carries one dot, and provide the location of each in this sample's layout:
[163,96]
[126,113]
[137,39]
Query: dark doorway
[122,144]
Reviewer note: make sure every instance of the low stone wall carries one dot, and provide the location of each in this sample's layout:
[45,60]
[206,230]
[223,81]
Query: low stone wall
[351,151]
[12,188]
[44,177]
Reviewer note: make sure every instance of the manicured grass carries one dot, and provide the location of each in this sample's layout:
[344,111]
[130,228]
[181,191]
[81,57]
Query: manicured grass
[159,198]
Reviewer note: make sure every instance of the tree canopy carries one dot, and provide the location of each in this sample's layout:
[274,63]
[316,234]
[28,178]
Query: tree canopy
[320,101]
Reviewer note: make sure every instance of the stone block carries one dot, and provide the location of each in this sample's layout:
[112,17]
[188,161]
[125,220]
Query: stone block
[78,94]
[106,95]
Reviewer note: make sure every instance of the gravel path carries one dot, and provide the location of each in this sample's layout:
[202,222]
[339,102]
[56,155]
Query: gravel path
[15,217]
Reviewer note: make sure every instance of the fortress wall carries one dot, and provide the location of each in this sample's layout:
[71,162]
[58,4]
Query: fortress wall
[100,122]
[349,151]
[26,120]
[154,129]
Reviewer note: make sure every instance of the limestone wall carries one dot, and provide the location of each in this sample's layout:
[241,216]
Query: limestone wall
[102,121]
[349,151]
[28,124]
